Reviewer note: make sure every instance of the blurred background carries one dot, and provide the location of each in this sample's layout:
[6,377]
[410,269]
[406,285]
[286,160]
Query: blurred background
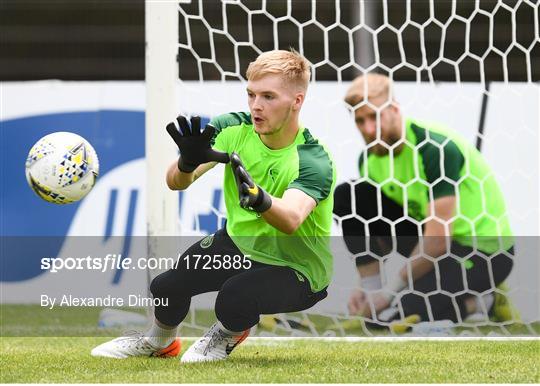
[104,39]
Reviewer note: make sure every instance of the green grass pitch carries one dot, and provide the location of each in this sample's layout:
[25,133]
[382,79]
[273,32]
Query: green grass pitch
[37,346]
[61,360]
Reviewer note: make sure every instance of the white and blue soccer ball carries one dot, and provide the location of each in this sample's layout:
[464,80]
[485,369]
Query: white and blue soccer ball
[62,167]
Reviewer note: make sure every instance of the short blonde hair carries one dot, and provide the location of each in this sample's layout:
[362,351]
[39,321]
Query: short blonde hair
[293,66]
[368,87]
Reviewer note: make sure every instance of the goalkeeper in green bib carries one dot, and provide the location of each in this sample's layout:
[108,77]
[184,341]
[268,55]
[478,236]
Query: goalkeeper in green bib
[426,194]
[273,255]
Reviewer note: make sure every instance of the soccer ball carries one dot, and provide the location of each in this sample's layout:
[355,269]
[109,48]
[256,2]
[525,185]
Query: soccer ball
[62,167]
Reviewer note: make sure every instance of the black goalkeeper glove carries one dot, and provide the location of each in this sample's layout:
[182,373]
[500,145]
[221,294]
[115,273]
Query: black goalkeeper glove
[251,195]
[194,146]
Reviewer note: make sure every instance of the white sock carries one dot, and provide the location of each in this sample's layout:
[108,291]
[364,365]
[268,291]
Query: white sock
[371,283]
[222,327]
[160,337]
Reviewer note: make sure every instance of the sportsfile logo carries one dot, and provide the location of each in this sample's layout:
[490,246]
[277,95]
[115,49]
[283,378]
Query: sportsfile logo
[110,262]
[114,262]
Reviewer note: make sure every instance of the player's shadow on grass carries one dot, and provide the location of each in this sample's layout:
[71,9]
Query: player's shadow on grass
[255,361]
[261,361]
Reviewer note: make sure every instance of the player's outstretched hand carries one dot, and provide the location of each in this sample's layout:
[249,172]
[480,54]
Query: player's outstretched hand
[357,302]
[194,146]
[250,195]
[360,302]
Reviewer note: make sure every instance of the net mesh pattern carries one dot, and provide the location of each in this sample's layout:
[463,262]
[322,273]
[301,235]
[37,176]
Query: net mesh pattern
[425,42]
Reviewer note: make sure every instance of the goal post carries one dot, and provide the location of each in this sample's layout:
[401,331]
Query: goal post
[161,23]
[161,75]
[445,58]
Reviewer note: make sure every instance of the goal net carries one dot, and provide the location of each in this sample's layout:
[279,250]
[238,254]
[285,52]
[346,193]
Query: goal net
[472,66]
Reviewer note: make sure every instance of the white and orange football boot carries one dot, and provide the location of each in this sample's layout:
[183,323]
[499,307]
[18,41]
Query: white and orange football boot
[135,345]
[215,345]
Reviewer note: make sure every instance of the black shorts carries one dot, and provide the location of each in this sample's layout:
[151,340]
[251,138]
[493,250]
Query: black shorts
[244,291]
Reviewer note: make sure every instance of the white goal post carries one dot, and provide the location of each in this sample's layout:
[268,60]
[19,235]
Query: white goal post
[444,59]
[161,23]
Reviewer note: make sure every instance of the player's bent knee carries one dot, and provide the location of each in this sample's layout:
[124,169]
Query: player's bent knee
[155,285]
[236,309]
[174,300]
[232,299]
[162,286]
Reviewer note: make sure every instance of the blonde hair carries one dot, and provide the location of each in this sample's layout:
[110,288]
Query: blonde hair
[290,64]
[368,87]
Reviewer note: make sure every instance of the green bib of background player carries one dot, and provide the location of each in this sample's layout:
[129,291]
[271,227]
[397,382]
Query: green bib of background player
[435,162]
[305,165]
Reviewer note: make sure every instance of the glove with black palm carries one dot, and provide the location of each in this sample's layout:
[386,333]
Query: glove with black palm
[251,195]
[194,146]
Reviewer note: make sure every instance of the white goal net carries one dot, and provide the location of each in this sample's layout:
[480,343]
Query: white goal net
[473,66]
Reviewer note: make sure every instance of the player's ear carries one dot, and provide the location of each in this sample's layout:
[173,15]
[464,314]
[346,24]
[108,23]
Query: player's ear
[298,100]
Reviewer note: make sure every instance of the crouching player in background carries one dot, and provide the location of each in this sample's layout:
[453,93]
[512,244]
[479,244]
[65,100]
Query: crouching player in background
[279,197]
[447,210]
